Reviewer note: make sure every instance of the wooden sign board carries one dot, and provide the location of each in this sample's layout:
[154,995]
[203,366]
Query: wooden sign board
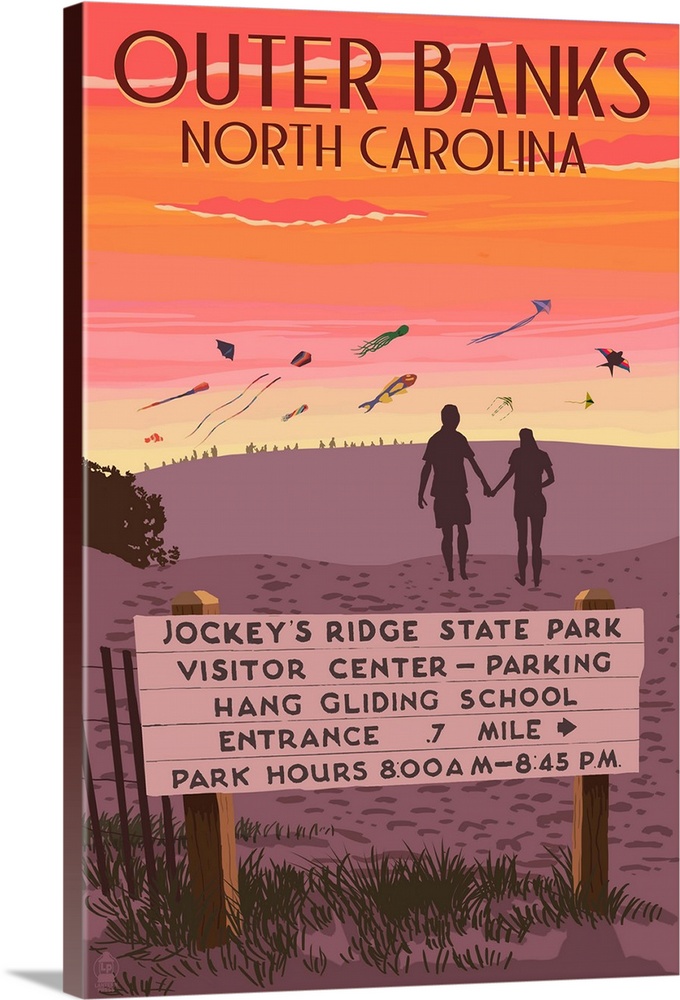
[252,704]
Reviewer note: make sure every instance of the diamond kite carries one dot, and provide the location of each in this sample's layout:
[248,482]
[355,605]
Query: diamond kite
[301,359]
[225,349]
[382,341]
[300,409]
[393,388]
[541,305]
[201,387]
[613,359]
[588,401]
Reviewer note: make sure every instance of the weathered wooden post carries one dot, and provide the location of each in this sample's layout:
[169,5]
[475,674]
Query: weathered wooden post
[138,756]
[118,770]
[210,830]
[590,855]
[95,826]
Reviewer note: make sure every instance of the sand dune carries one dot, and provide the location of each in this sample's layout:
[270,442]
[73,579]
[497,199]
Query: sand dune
[359,505]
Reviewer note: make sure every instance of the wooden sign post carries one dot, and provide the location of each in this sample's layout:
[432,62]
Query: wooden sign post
[210,830]
[590,855]
[375,701]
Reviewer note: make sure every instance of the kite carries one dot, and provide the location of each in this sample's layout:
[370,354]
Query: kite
[242,410]
[201,387]
[225,349]
[382,341]
[300,409]
[588,401]
[155,438]
[228,403]
[614,359]
[504,401]
[393,388]
[542,305]
[301,359]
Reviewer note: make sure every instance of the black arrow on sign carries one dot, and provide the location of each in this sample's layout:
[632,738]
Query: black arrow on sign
[565,727]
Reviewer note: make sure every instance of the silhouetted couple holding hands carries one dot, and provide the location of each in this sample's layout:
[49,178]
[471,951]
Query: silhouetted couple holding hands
[445,455]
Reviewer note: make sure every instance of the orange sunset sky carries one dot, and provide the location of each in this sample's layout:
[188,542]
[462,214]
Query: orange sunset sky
[279,259]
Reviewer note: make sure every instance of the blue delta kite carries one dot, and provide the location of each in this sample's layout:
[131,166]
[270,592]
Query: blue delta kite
[541,305]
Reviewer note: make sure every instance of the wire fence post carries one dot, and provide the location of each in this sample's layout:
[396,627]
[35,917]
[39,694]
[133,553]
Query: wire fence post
[112,711]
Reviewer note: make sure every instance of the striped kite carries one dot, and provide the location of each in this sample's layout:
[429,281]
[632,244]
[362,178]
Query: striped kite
[300,409]
[301,359]
[613,359]
[201,387]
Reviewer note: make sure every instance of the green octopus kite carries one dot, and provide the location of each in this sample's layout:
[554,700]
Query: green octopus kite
[382,341]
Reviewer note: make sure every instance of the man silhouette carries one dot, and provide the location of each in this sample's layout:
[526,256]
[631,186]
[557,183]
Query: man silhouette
[445,453]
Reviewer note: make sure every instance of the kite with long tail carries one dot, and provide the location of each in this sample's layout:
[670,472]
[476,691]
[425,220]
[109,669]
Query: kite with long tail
[201,387]
[542,305]
[588,401]
[228,403]
[240,411]
[382,341]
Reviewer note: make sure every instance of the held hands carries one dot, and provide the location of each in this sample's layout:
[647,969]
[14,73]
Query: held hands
[488,492]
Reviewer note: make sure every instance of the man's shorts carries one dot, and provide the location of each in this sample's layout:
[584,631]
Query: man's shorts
[449,510]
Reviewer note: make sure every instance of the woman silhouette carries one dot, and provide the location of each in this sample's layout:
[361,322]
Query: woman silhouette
[527,465]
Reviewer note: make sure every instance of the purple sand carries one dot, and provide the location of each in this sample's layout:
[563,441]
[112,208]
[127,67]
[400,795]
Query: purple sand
[224,505]
[359,505]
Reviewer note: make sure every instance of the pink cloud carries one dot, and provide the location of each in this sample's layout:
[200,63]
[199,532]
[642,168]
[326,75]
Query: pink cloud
[631,151]
[321,211]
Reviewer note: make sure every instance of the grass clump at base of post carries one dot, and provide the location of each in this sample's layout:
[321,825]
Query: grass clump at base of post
[430,910]
[250,831]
